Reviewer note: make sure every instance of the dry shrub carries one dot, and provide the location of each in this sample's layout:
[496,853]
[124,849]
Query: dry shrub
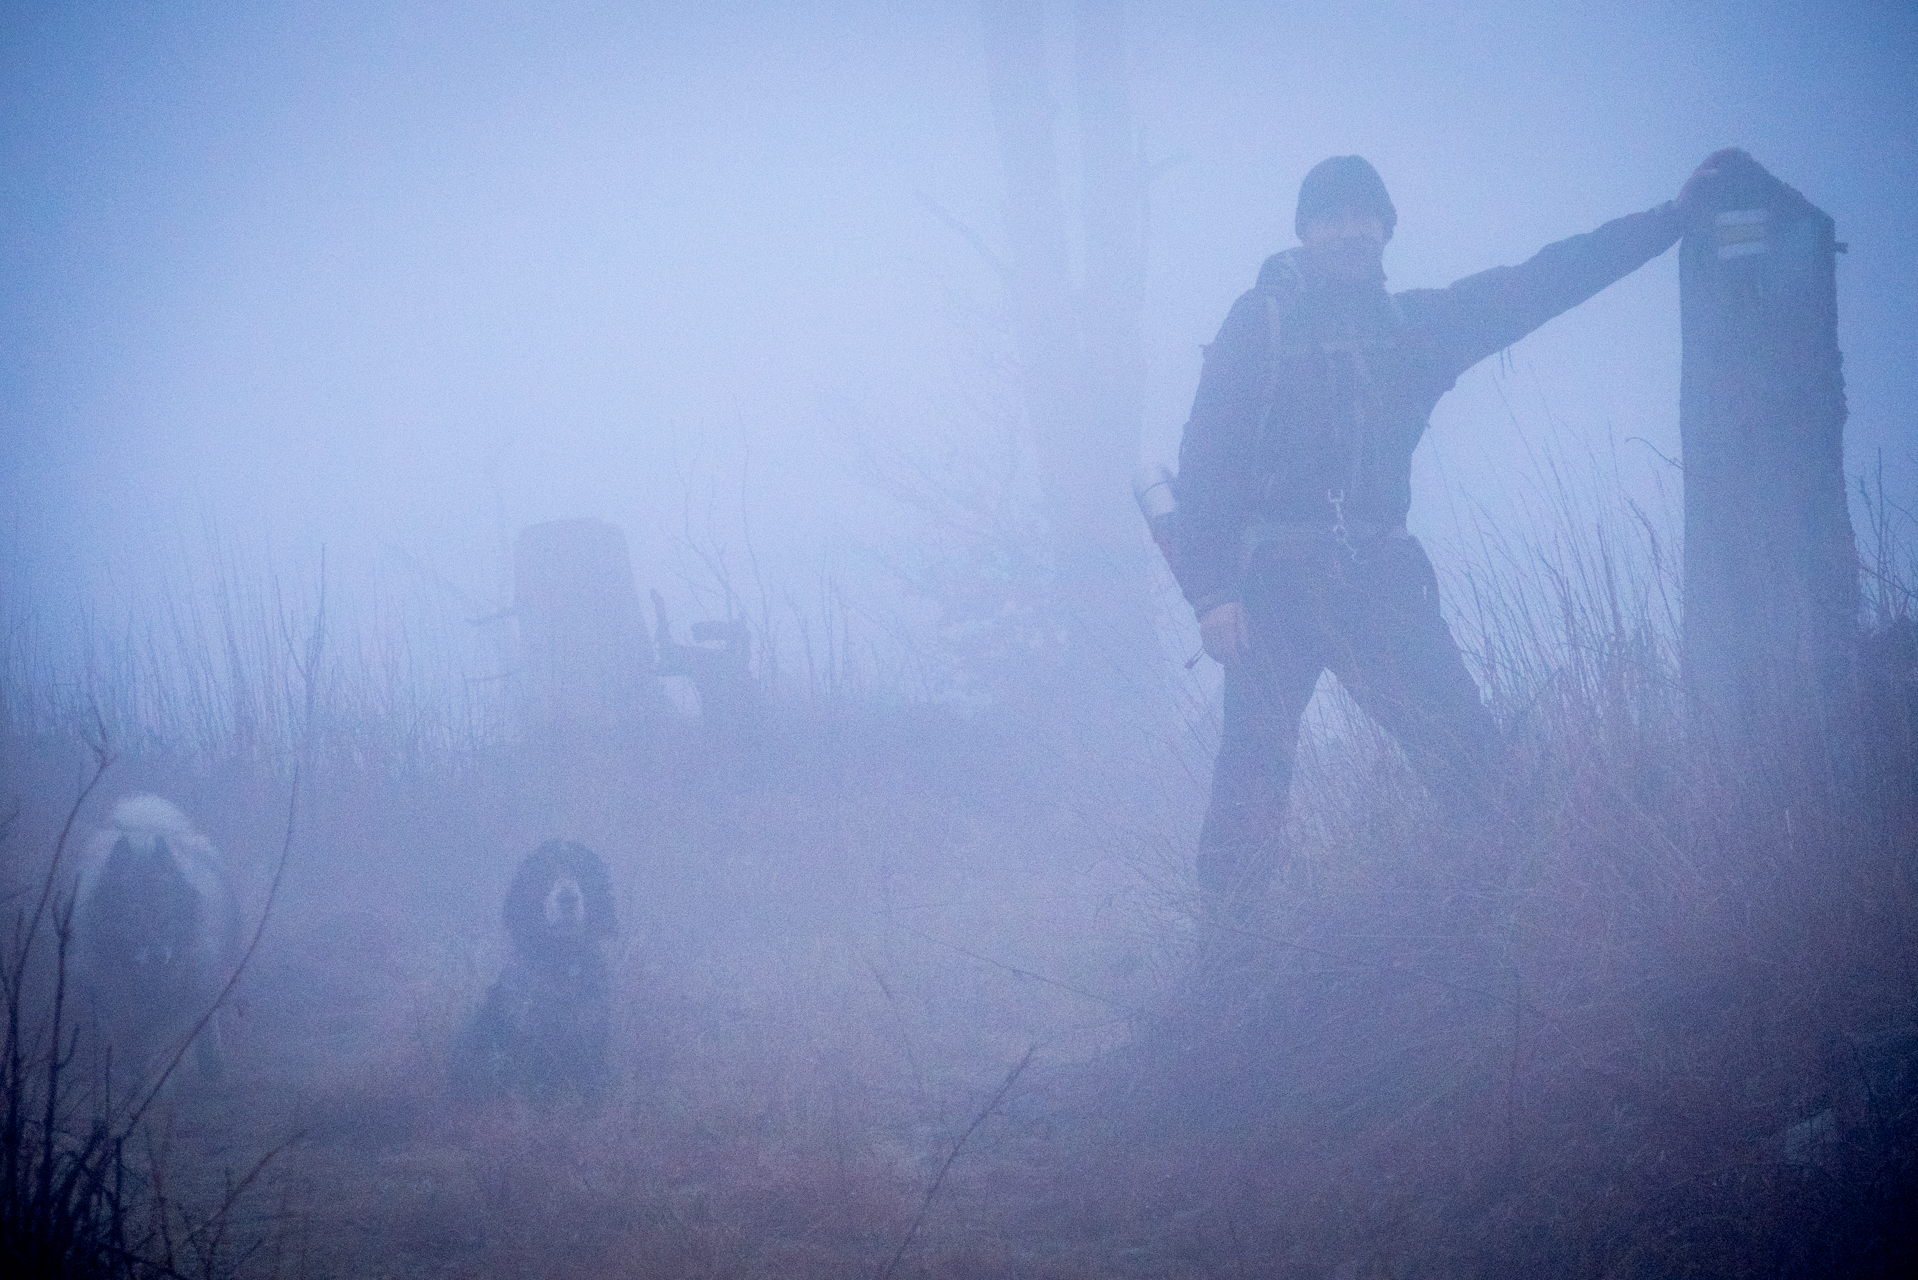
[1682,1038]
[1655,1017]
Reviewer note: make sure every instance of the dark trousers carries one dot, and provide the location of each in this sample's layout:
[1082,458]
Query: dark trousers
[1374,623]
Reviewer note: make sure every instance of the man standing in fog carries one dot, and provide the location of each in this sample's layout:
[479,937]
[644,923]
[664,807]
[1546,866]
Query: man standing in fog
[1294,483]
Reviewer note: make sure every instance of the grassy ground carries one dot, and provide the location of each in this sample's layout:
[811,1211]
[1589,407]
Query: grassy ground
[908,993]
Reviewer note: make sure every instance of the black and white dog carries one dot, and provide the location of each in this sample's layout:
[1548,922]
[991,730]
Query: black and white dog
[156,931]
[545,1028]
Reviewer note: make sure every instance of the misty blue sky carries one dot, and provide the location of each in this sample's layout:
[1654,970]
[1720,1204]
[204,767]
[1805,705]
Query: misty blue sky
[298,272]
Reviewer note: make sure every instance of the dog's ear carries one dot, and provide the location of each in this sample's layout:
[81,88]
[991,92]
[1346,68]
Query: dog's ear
[596,884]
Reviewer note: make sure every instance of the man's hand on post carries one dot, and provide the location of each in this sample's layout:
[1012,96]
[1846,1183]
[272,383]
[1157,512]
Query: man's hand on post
[1714,166]
[1224,633]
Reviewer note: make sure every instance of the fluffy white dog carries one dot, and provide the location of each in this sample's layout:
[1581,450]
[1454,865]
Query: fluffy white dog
[156,935]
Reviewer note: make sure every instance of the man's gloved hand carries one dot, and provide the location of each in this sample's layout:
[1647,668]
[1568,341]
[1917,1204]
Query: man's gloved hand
[1224,633]
[1691,197]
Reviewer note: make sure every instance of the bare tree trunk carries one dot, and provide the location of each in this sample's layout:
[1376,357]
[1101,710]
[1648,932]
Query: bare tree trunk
[1038,280]
[1112,205]
[1112,214]
[1771,574]
[1079,350]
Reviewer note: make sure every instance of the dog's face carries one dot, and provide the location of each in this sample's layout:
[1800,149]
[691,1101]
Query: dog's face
[152,911]
[565,907]
[560,900]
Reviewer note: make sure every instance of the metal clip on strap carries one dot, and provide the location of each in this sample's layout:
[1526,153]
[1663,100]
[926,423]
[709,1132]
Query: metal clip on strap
[1337,498]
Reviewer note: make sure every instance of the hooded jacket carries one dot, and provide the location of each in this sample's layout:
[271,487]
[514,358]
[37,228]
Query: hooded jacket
[1316,392]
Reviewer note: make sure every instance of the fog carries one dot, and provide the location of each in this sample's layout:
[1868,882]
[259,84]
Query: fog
[309,311]
[305,272]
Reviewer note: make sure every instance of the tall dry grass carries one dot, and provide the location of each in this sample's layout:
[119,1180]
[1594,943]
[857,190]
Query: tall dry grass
[1678,1040]
[1681,1039]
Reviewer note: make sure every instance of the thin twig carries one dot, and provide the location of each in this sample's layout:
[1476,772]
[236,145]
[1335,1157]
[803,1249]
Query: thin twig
[102,757]
[1014,969]
[963,231]
[991,1106]
[239,1188]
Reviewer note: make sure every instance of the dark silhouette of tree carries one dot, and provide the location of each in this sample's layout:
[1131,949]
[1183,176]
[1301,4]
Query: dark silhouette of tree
[1077,342]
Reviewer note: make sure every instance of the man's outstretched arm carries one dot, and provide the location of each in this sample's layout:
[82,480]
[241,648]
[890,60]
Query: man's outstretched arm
[1485,313]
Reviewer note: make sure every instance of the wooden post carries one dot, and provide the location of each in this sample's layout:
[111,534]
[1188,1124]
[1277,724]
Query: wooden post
[586,661]
[1771,573]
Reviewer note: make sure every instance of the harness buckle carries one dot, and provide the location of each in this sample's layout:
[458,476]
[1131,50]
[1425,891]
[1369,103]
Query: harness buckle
[1340,534]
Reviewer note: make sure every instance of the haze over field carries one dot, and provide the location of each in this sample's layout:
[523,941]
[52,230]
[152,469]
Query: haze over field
[880,916]
[301,274]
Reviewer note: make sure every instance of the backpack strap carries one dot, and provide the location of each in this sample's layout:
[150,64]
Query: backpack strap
[1275,312]
[1280,283]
